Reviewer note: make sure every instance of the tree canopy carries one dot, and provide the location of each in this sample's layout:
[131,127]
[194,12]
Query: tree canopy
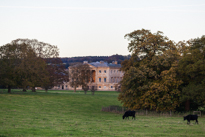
[192,72]
[159,71]
[23,63]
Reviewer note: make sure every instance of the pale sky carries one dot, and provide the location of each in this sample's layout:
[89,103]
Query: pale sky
[97,27]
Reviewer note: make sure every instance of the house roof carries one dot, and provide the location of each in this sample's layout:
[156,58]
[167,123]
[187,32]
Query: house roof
[104,64]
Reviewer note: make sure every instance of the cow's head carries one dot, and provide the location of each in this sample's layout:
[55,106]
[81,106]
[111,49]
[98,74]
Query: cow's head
[123,117]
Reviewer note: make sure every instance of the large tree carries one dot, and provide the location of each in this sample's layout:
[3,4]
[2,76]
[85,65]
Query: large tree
[9,59]
[150,80]
[192,72]
[38,74]
[23,63]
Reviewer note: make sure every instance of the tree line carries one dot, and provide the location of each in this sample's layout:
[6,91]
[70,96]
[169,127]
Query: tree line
[159,75]
[69,61]
[30,63]
[163,75]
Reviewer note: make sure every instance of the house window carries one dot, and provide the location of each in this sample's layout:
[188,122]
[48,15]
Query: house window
[104,71]
[104,79]
[104,87]
[99,86]
[99,79]
[99,71]
[111,86]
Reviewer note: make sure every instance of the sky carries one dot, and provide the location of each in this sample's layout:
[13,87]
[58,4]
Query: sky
[98,27]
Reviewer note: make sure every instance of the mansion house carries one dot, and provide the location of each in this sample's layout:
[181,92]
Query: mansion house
[105,76]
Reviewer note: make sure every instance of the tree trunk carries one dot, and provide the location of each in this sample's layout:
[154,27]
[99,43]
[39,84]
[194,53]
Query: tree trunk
[187,105]
[9,89]
[93,90]
[24,89]
[33,89]
[75,89]
[46,89]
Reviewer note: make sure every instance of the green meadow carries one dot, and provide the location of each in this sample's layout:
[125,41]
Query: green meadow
[65,114]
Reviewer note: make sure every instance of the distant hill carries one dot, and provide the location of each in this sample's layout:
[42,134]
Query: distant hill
[119,58]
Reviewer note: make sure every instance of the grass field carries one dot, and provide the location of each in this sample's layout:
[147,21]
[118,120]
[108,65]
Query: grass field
[64,113]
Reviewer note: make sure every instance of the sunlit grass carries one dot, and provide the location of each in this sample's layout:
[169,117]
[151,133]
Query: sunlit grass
[64,113]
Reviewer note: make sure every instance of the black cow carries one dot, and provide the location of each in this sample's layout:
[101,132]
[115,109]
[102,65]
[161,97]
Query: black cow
[129,113]
[191,117]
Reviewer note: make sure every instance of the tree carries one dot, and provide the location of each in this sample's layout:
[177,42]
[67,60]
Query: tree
[38,75]
[192,72]
[23,63]
[57,73]
[9,59]
[150,80]
[42,49]
[31,71]
[93,89]
[80,75]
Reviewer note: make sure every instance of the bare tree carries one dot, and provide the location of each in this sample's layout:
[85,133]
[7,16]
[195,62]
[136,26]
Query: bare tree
[80,75]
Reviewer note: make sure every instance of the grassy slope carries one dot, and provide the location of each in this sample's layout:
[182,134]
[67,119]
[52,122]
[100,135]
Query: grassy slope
[76,114]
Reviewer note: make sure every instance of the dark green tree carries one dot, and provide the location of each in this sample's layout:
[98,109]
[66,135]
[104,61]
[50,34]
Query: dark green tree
[9,59]
[37,75]
[23,63]
[192,72]
[57,73]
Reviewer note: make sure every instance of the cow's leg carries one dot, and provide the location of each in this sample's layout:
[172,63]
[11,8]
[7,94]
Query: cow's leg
[188,121]
[196,121]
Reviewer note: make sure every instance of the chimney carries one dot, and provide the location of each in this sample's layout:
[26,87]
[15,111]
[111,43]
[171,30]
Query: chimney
[114,62]
[101,62]
[85,62]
